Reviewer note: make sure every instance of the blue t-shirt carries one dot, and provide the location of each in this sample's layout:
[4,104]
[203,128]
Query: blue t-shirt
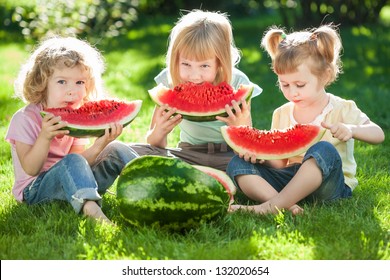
[207,132]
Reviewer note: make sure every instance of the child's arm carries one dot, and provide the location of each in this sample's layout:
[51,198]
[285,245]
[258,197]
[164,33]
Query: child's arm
[163,122]
[368,132]
[240,116]
[33,157]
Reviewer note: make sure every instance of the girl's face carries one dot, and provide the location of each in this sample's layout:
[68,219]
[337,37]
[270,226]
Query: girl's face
[198,71]
[67,87]
[302,87]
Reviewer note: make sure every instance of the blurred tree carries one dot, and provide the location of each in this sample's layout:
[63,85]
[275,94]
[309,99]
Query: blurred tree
[95,19]
[92,19]
[306,13]
[292,12]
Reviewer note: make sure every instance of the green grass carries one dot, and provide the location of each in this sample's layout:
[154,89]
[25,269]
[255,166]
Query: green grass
[356,228]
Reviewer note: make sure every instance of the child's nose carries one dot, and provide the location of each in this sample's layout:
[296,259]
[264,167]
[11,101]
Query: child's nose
[195,76]
[294,92]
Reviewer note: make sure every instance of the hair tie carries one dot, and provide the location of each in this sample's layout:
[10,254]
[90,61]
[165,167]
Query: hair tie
[283,35]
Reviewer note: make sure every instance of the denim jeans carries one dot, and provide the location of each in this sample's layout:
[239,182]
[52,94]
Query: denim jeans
[72,179]
[328,161]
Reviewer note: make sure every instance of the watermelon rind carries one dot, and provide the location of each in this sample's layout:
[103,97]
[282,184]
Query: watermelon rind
[221,177]
[274,144]
[86,131]
[198,116]
[168,193]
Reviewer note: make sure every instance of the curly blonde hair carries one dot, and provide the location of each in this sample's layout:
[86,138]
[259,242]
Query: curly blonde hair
[320,46]
[201,35]
[56,52]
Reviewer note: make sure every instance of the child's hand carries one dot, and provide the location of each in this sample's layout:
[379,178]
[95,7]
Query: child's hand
[110,134]
[340,131]
[251,158]
[166,120]
[51,127]
[241,116]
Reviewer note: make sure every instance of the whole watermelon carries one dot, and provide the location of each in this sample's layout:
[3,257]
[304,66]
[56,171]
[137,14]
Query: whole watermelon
[169,193]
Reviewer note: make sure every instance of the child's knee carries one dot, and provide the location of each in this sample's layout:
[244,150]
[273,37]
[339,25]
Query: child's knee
[120,150]
[326,157]
[75,160]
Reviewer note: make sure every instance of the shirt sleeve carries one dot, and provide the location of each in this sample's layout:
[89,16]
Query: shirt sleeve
[240,78]
[24,127]
[162,78]
[351,114]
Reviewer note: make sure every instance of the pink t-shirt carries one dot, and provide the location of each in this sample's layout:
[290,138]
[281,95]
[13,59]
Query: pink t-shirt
[25,126]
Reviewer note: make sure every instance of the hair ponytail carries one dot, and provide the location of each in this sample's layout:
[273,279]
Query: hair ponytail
[271,40]
[329,46]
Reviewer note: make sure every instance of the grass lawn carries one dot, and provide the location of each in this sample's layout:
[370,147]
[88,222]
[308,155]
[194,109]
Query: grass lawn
[352,229]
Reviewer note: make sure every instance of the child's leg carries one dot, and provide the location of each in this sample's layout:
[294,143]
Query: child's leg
[320,175]
[70,179]
[213,155]
[110,162]
[258,189]
[260,183]
[255,187]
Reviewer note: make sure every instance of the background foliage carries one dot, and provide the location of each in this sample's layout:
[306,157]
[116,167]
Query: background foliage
[96,19]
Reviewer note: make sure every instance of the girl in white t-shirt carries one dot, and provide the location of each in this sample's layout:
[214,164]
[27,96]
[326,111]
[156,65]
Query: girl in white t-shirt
[306,63]
[49,164]
[201,49]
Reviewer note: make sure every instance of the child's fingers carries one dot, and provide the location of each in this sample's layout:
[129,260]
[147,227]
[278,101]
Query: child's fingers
[236,107]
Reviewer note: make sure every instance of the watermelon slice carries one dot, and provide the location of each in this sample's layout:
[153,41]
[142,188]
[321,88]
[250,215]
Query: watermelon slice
[272,144]
[200,102]
[221,177]
[91,119]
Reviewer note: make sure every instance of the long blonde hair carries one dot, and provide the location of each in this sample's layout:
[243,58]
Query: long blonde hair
[320,46]
[201,35]
[31,83]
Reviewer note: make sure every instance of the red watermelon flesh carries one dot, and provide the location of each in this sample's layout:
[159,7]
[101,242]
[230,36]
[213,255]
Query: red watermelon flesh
[94,117]
[272,144]
[199,101]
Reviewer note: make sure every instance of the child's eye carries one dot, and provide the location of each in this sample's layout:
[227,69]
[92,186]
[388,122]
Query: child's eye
[61,82]
[185,64]
[284,85]
[80,82]
[300,85]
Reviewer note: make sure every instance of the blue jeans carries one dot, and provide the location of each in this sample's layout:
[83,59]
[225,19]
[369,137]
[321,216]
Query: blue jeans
[72,179]
[328,161]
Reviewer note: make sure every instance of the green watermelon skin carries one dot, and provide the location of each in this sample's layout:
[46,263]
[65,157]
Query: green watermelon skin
[169,193]
[87,133]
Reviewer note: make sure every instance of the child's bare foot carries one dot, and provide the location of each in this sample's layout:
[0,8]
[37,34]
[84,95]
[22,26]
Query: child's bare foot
[265,208]
[93,210]
[234,207]
[296,210]
[258,209]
